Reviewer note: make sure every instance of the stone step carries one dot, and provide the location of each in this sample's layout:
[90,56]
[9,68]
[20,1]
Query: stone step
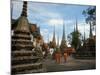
[25,65]
[24,58]
[31,71]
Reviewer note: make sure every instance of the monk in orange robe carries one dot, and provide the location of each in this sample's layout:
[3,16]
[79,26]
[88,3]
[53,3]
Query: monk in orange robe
[58,57]
[65,57]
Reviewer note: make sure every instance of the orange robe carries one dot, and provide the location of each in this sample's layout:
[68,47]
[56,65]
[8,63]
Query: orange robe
[65,57]
[58,57]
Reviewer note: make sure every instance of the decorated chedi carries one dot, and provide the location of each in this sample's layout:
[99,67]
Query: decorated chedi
[53,42]
[63,45]
[89,45]
[88,50]
[23,59]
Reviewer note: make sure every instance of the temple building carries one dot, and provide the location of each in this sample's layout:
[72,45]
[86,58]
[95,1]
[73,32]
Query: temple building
[23,59]
[36,35]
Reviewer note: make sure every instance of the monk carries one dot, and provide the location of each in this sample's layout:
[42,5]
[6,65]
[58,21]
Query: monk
[58,57]
[65,57]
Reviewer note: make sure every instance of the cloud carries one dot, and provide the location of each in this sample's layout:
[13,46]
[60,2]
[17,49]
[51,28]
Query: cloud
[81,24]
[17,8]
[82,29]
[58,23]
[55,22]
[47,15]
[44,33]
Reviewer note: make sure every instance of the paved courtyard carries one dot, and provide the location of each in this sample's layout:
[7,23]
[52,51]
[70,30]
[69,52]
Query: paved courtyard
[71,65]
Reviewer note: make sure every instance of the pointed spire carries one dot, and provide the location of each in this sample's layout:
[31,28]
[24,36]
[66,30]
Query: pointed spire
[11,10]
[84,32]
[38,29]
[63,32]
[63,41]
[48,38]
[53,35]
[58,41]
[24,10]
[76,25]
[74,28]
[54,39]
[90,35]
[84,36]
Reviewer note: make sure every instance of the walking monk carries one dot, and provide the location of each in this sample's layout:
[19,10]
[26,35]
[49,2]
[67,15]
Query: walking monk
[65,57]
[58,57]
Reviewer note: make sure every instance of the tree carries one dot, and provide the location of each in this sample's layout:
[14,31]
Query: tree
[74,39]
[90,15]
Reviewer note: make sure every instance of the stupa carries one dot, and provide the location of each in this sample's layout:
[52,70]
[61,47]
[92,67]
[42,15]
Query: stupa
[88,50]
[23,59]
[63,45]
[53,42]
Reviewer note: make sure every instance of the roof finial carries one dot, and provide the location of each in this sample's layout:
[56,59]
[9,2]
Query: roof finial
[24,10]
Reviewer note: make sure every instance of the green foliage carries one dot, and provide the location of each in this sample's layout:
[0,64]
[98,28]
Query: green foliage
[74,39]
[90,15]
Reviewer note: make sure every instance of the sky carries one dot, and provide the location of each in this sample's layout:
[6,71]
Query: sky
[48,15]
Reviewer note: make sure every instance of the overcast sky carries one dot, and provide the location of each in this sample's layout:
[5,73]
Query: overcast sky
[48,15]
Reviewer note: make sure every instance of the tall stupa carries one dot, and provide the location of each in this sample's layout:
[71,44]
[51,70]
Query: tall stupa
[53,43]
[23,59]
[63,45]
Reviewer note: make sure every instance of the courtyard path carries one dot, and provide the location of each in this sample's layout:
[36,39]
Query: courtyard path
[70,65]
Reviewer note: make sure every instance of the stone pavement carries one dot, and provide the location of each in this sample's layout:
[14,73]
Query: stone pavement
[71,65]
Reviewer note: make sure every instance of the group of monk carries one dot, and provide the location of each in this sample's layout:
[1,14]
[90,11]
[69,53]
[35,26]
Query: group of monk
[58,57]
